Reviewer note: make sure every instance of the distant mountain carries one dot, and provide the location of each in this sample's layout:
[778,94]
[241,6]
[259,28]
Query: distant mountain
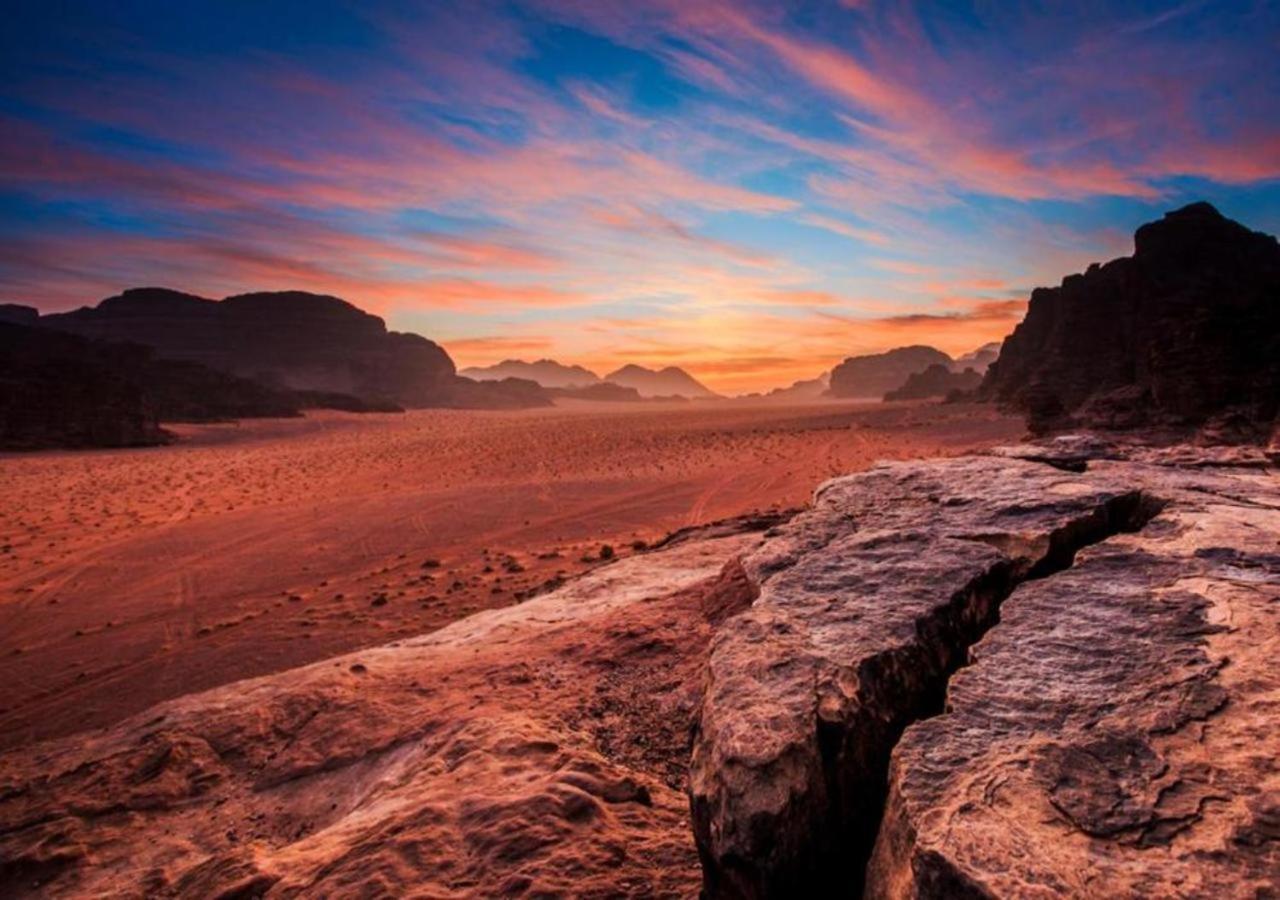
[292,340]
[546,372]
[669,382]
[808,389]
[605,391]
[936,381]
[979,360]
[876,374]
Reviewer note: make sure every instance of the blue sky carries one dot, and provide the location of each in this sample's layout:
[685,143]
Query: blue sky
[747,190]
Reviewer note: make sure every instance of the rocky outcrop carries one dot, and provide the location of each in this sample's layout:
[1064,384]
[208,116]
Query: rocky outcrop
[290,340]
[535,750]
[1185,330]
[872,376]
[546,372]
[58,390]
[63,390]
[1073,754]
[669,382]
[936,381]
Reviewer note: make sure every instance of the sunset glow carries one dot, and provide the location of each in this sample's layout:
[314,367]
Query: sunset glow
[747,193]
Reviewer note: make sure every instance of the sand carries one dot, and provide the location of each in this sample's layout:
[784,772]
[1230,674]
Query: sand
[131,577]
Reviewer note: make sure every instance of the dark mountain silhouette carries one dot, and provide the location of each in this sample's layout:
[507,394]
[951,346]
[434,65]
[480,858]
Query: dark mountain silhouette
[669,382]
[546,372]
[509,393]
[936,381]
[604,391]
[806,389]
[979,360]
[291,340]
[64,390]
[1184,330]
[876,374]
[16,314]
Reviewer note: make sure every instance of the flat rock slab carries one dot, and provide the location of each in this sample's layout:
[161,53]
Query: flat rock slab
[528,750]
[1117,734]
[869,602]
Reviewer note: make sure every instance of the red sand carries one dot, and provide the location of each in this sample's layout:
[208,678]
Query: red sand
[130,577]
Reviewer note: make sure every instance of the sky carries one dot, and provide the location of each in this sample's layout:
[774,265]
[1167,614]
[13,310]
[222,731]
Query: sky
[752,191]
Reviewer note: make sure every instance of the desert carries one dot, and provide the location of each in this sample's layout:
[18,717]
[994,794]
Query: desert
[135,576]
[732,450]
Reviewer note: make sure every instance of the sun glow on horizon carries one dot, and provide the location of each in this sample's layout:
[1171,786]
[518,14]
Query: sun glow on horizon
[750,192]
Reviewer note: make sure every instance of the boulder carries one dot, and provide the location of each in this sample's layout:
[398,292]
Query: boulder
[1108,736]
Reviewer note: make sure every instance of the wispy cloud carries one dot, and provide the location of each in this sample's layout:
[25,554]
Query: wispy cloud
[750,190]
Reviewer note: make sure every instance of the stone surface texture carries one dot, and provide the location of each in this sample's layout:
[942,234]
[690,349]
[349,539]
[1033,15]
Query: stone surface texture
[533,750]
[1099,739]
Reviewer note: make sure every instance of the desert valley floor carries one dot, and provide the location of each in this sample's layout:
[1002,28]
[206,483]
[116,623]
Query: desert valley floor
[131,577]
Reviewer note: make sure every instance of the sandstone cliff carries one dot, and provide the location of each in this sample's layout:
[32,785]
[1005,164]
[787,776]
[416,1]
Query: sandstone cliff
[1186,329]
[295,341]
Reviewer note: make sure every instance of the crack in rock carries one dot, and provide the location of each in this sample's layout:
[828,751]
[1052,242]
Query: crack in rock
[867,605]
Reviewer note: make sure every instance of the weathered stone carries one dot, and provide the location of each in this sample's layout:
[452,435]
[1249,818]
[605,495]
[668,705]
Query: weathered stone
[866,604]
[1116,732]
[1073,754]
[530,750]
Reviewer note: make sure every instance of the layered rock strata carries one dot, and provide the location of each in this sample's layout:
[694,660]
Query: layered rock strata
[1099,667]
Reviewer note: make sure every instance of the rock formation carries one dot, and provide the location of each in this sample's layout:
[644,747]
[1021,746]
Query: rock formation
[807,389]
[534,750]
[64,390]
[509,393]
[605,391]
[936,381]
[290,340]
[669,382]
[872,376]
[546,372]
[16,314]
[58,390]
[1186,329]
[979,360]
[1097,745]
